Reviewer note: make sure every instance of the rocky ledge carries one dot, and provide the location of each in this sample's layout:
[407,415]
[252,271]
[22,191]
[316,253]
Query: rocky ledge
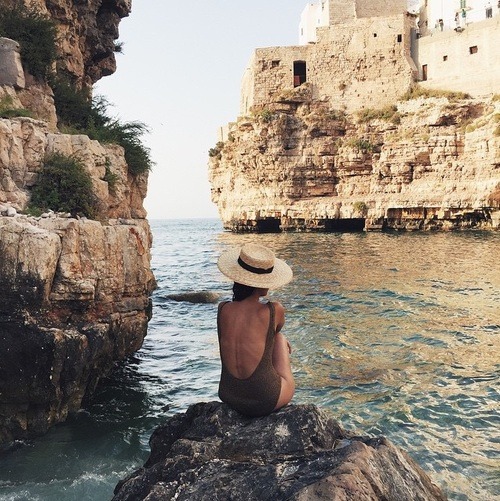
[74,299]
[424,164]
[74,293]
[297,453]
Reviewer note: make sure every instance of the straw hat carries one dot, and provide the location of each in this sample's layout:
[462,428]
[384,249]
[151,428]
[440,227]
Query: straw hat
[256,266]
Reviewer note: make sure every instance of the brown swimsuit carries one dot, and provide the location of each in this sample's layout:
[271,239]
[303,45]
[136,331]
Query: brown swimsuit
[258,394]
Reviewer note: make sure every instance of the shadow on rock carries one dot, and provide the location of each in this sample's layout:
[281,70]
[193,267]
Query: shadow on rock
[298,453]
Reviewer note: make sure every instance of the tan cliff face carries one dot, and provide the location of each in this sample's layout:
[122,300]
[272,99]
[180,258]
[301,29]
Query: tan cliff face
[87,32]
[74,293]
[301,165]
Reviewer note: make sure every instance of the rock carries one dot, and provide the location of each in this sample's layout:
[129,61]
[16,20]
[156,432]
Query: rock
[298,453]
[86,35]
[195,297]
[74,300]
[427,170]
[11,212]
[12,73]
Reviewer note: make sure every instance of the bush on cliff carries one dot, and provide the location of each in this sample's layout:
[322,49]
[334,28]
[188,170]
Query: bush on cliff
[36,34]
[64,186]
[78,113]
[9,110]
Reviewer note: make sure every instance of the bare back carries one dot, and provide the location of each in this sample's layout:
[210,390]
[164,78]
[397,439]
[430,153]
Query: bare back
[243,328]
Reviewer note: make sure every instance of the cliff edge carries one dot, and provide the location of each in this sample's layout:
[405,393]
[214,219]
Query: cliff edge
[299,164]
[74,286]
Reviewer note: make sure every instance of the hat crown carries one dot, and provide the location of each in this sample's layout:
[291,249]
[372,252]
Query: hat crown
[257,256]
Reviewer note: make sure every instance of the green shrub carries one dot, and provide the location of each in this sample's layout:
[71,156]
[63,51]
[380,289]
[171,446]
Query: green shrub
[388,113]
[64,186]
[417,91]
[336,115]
[7,109]
[111,178]
[36,34]
[118,47]
[77,113]
[360,208]
[265,115]
[363,145]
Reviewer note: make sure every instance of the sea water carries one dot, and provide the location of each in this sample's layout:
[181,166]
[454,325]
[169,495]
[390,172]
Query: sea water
[395,333]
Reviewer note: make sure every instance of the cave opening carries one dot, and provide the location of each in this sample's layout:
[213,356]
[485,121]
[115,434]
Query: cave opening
[269,225]
[345,225]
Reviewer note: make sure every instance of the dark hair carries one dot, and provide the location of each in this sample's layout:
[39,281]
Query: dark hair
[241,291]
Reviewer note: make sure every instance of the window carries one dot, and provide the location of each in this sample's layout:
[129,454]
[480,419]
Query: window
[374,35]
[275,63]
[424,72]
[299,73]
[445,58]
[400,38]
[473,49]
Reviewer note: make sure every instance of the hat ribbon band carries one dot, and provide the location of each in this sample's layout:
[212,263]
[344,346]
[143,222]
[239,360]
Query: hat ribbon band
[258,271]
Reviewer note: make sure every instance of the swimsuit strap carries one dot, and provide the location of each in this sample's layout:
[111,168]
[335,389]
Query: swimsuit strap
[271,330]
[221,305]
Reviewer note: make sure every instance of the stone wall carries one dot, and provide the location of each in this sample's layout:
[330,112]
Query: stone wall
[269,73]
[464,61]
[353,65]
[379,8]
[349,64]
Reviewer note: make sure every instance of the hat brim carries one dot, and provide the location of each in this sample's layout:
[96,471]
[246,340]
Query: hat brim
[228,265]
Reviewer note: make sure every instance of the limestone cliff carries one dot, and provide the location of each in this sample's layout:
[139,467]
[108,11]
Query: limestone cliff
[74,295]
[87,32]
[74,292]
[300,164]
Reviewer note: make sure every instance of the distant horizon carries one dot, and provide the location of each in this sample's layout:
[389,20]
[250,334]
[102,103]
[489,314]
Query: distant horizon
[180,74]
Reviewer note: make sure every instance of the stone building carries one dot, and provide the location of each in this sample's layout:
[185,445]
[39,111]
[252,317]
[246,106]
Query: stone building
[458,46]
[356,52]
[362,53]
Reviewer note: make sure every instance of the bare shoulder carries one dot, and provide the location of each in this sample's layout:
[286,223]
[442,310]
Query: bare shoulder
[279,314]
[278,307]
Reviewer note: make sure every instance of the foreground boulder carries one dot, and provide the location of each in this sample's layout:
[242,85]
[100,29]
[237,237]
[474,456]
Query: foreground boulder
[298,453]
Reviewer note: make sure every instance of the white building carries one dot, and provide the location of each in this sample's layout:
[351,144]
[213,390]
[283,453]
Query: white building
[435,15]
[313,16]
[441,15]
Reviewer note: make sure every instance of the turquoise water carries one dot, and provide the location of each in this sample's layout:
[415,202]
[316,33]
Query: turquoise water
[396,334]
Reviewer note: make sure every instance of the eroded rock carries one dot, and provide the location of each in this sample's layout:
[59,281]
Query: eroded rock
[74,299]
[298,453]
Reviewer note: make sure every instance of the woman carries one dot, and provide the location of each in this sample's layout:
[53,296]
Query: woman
[256,377]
